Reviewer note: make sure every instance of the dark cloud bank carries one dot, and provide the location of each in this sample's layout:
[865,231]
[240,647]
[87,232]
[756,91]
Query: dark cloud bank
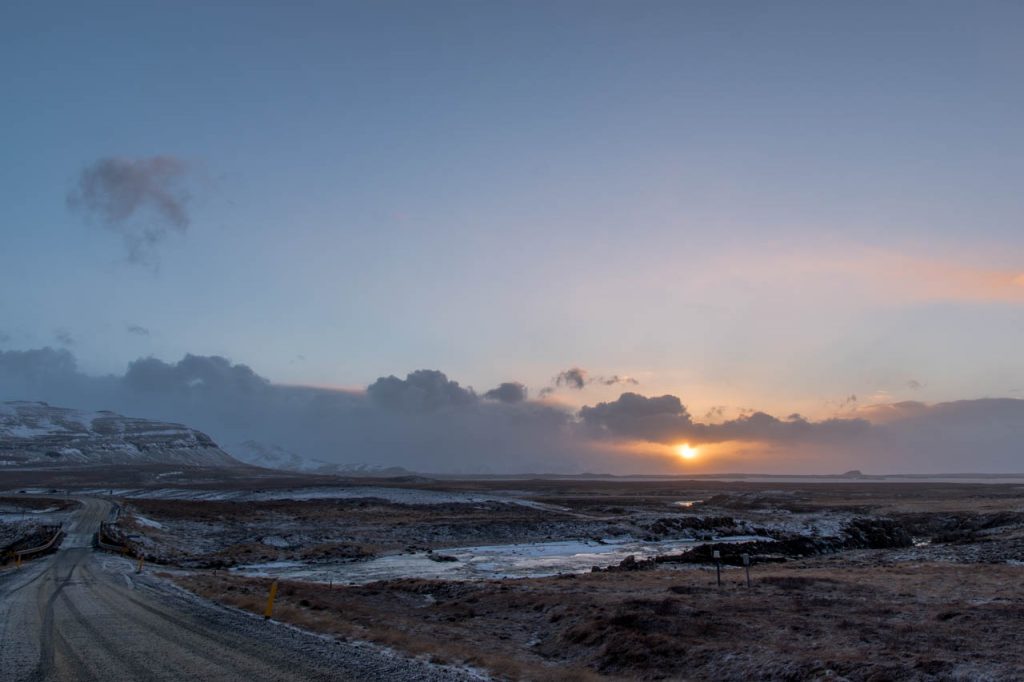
[427,422]
[424,422]
[665,419]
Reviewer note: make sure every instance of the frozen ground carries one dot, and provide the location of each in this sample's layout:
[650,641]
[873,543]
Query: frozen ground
[24,518]
[393,495]
[369,533]
[929,591]
[488,562]
[860,582]
[83,615]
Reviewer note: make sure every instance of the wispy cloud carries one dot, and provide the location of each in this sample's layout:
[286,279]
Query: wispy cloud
[141,199]
[574,377]
[577,378]
[875,274]
[64,337]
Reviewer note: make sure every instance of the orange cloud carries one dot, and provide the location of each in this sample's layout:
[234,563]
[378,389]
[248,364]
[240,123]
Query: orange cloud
[883,275]
[943,280]
[891,276]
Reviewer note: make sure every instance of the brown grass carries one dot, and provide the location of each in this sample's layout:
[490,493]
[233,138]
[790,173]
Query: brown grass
[316,608]
[921,621]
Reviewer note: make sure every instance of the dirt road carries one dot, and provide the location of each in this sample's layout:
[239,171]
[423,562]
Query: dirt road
[83,615]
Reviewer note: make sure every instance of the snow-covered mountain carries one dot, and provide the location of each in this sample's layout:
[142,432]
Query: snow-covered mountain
[39,434]
[273,456]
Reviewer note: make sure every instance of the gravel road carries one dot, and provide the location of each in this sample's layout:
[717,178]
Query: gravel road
[83,615]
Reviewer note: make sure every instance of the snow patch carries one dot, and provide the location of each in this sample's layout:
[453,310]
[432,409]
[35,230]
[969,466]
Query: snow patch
[149,523]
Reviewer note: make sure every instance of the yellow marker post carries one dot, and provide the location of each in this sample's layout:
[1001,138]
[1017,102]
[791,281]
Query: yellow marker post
[269,611]
[138,569]
[17,560]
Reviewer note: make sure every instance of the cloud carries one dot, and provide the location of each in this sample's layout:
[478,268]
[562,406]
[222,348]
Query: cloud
[508,392]
[715,413]
[578,378]
[63,337]
[906,437]
[424,390]
[574,377]
[428,422]
[664,419]
[34,365]
[40,372]
[138,330]
[140,199]
[424,422]
[212,375]
[616,379]
[886,276]
[954,436]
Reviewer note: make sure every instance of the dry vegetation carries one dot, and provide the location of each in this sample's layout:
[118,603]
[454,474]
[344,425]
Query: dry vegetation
[799,621]
[19,504]
[948,608]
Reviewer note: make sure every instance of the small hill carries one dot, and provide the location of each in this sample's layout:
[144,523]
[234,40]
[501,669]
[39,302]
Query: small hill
[38,434]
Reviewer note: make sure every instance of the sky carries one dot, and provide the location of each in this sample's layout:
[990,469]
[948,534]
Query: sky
[787,208]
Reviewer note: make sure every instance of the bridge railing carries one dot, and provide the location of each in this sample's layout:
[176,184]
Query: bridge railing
[49,545]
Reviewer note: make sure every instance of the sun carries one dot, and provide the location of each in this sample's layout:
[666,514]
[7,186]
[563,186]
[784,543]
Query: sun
[686,451]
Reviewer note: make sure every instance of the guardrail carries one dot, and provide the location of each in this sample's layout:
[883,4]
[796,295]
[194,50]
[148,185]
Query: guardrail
[43,547]
[20,554]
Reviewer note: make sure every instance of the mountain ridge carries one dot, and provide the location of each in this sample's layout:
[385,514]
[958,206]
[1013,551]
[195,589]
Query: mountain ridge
[39,434]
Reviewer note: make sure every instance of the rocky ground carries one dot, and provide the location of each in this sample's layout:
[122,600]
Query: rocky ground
[858,581]
[29,522]
[215,534]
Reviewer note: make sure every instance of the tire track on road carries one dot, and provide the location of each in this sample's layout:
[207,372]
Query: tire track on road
[74,618]
[45,665]
[181,634]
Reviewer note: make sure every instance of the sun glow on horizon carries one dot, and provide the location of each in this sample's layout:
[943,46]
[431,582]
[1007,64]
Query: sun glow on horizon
[686,451]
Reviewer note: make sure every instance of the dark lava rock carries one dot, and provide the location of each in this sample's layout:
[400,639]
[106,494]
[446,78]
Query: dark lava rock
[867,533]
[674,524]
[441,558]
[860,533]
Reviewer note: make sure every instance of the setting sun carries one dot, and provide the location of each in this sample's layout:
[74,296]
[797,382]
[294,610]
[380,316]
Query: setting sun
[685,451]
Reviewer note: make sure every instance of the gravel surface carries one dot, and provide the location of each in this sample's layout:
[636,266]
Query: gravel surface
[82,615]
